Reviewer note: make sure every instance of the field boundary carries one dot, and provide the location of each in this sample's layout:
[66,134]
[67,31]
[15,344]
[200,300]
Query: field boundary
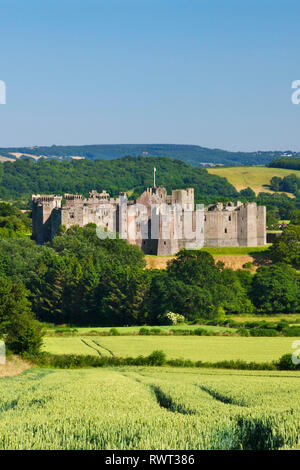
[157,359]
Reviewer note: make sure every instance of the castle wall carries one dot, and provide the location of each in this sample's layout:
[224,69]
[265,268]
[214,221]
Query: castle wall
[184,198]
[55,222]
[137,224]
[190,228]
[37,223]
[42,208]
[261,225]
[220,228]
[247,225]
[95,211]
[122,214]
[241,225]
[167,242]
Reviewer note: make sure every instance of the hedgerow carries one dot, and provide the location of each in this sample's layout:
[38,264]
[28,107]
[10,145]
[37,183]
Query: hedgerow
[156,358]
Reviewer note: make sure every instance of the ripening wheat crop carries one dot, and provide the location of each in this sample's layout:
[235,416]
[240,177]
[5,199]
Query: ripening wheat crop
[196,348]
[149,408]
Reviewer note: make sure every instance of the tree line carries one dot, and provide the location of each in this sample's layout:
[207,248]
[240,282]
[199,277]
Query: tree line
[288,163]
[13,222]
[289,184]
[23,177]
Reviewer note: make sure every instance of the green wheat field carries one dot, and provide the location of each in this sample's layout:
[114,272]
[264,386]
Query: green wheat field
[195,348]
[155,408]
[149,408]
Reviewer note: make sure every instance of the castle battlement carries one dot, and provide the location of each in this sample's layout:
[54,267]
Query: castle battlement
[73,197]
[158,223]
[42,198]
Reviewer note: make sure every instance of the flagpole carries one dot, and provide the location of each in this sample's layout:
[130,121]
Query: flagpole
[154,176]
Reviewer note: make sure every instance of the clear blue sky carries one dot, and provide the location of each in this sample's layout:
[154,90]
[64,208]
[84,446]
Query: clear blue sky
[216,73]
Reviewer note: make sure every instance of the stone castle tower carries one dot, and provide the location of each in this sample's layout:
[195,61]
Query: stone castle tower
[158,223]
[46,211]
[235,225]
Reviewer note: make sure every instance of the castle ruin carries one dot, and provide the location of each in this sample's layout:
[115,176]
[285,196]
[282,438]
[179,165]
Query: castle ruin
[160,224]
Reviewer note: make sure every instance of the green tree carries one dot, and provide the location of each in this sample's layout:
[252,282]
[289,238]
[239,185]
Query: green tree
[22,333]
[167,293]
[286,247]
[47,285]
[120,295]
[275,183]
[195,267]
[276,289]
[245,277]
[272,219]
[248,194]
[194,286]
[295,217]
[231,294]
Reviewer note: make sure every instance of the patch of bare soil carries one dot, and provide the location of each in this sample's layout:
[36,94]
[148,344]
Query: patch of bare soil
[234,262]
[157,262]
[13,366]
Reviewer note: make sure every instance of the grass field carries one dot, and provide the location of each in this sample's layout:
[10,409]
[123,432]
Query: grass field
[195,348]
[148,408]
[236,250]
[223,251]
[256,177]
[289,317]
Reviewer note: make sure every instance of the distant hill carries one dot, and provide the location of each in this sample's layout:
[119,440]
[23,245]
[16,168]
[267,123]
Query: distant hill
[191,154]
